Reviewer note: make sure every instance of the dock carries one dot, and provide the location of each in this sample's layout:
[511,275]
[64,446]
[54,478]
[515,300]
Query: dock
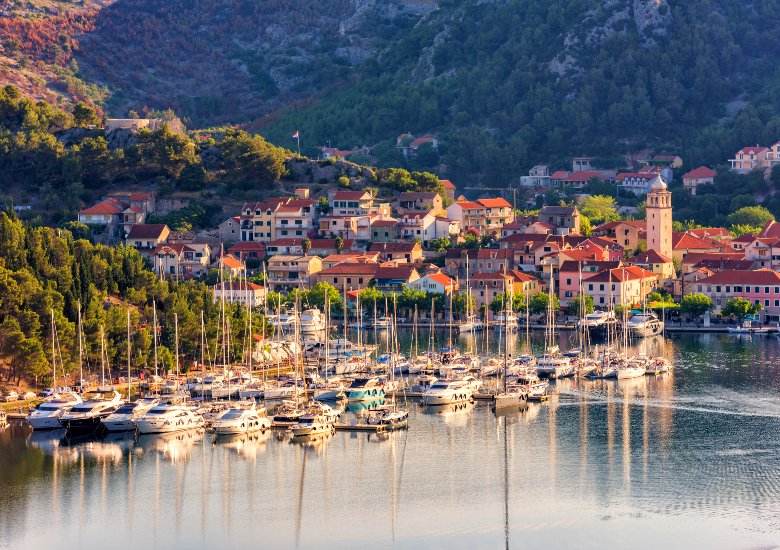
[360,428]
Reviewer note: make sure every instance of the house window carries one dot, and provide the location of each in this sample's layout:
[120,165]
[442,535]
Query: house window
[590,286]
[766,303]
[360,281]
[349,280]
[601,287]
[335,280]
[766,290]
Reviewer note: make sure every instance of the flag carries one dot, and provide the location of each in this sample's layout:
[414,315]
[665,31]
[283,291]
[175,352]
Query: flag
[296,135]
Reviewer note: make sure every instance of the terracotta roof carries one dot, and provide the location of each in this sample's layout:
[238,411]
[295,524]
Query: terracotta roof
[620,274]
[694,258]
[147,231]
[232,263]
[401,272]
[521,276]
[543,225]
[575,176]
[351,268]
[447,184]
[754,150]
[104,207]
[237,285]
[443,280]
[350,195]
[771,229]
[757,277]
[352,257]
[700,172]
[393,247]
[720,265]
[651,257]
[470,205]
[248,246]
[686,241]
[286,241]
[494,203]
[421,140]
[581,254]
[331,243]
[140,196]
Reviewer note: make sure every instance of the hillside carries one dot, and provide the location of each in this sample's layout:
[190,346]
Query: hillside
[503,84]
[512,83]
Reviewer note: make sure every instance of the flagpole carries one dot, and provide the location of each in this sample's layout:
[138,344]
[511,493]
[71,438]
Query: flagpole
[299,145]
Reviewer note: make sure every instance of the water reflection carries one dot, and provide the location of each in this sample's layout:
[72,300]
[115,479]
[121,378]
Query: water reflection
[688,458]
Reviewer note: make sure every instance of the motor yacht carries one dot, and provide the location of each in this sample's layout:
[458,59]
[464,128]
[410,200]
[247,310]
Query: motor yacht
[365,389]
[334,390]
[312,321]
[644,324]
[382,323]
[86,417]
[471,324]
[286,390]
[445,392]
[169,418]
[311,424]
[388,416]
[554,366]
[597,319]
[658,365]
[423,383]
[239,421]
[474,384]
[123,419]
[46,416]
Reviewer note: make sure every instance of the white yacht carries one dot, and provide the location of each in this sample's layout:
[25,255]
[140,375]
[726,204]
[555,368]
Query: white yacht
[123,419]
[46,416]
[644,324]
[445,392]
[311,424]
[312,321]
[239,421]
[383,323]
[506,322]
[86,417]
[286,390]
[597,319]
[471,324]
[554,366]
[388,416]
[169,418]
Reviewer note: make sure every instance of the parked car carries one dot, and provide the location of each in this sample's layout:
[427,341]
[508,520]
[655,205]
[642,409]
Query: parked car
[29,396]
[10,397]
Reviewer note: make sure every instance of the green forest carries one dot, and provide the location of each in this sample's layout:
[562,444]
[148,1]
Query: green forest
[44,270]
[480,75]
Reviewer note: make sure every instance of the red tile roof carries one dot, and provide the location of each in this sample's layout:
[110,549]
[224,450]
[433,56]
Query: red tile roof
[147,231]
[232,262]
[401,272]
[237,285]
[771,229]
[651,257]
[443,280]
[754,150]
[494,203]
[757,277]
[248,246]
[686,241]
[104,207]
[447,184]
[620,274]
[350,195]
[700,172]
[393,247]
[330,244]
[469,205]
[351,268]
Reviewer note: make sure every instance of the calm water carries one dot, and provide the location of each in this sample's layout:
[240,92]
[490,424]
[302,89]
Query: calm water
[687,459]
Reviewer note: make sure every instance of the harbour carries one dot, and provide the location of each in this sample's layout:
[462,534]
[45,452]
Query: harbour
[668,459]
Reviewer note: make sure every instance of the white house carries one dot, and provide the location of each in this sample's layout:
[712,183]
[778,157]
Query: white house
[241,292]
[437,283]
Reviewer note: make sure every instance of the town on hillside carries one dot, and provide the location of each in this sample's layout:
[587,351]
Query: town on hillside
[441,242]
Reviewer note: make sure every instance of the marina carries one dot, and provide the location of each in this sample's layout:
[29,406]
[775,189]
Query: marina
[647,454]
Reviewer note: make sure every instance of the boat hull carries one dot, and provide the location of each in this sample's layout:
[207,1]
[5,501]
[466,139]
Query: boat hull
[512,399]
[44,422]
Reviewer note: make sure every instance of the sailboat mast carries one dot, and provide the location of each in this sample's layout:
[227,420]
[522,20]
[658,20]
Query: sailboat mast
[128,354]
[53,352]
[81,357]
[102,358]
[176,344]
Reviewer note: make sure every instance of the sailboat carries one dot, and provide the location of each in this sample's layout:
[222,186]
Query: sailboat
[552,364]
[389,415]
[470,323]
[46,416]
[517,395]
